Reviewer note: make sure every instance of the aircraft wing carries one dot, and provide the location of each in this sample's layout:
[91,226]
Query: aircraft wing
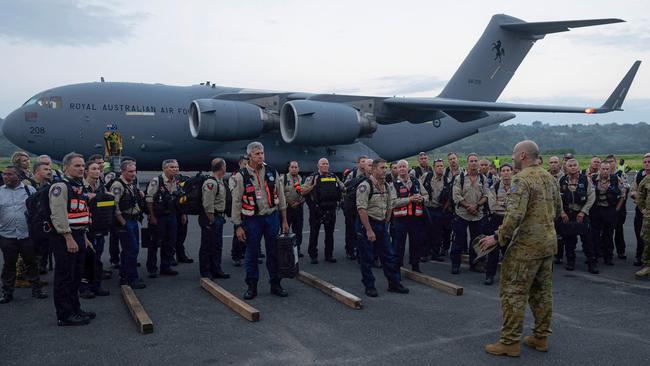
[471,108]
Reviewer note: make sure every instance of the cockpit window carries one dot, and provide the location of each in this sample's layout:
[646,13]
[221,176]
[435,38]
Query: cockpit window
[43,102]
[55,102]
[47,102]
[31,101]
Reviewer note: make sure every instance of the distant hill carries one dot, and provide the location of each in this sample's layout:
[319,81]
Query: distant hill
[578,139]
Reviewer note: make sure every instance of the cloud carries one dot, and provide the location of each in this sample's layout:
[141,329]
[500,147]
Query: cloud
[64,22]
[629,39]
[398,85]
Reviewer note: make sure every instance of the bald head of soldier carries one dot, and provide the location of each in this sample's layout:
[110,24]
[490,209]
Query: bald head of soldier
[525,154]
[218,167]
[323,166]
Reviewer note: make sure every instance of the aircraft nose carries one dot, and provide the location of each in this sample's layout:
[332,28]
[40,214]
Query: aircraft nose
[10,127]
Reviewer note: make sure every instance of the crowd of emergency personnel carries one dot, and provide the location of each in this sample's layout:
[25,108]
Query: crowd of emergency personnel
[60,220]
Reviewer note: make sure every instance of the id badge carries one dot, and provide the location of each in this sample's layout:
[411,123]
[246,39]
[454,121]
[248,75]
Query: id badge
[258,194]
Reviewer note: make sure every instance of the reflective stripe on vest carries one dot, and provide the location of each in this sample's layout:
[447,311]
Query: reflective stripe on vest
[78,214]
[411,209]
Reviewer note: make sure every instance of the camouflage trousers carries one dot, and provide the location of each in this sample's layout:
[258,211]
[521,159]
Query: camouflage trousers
[526,281]
[645,235]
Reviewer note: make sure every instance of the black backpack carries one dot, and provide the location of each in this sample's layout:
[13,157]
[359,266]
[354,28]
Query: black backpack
[190,199]
[38,212]
[444,195]
[351,191]
[350,199]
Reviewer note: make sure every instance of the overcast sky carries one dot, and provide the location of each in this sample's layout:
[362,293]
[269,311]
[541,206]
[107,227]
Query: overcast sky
[374,47]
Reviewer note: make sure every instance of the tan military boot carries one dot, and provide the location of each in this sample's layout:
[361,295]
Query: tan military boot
[500,349]
[539,344]
[643,272]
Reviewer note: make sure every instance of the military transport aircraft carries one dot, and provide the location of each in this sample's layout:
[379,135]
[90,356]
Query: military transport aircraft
[151,120]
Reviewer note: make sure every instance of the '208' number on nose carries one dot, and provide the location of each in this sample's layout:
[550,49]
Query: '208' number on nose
[37,130]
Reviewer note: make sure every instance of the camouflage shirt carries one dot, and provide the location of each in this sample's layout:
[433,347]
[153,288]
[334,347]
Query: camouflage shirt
[533,205]
[643,197]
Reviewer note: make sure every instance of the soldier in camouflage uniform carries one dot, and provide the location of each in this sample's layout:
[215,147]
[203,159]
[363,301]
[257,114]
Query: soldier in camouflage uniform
[528,231]
[643,203]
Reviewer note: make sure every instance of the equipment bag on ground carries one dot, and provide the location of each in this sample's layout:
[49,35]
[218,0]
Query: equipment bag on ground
[287,256]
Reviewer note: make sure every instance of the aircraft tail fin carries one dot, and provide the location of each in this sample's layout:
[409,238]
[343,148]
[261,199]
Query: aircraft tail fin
[615,100]
[493,60]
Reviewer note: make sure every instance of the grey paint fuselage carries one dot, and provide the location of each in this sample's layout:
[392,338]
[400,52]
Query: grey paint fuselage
[153,122]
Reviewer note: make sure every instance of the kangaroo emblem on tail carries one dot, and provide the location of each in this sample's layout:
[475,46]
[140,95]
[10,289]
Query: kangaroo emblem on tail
[500,51]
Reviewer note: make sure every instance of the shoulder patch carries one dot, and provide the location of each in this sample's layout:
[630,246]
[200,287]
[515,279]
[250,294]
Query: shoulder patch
[56,191]
[117,190]
[210,186]
[362,188]
[154,181]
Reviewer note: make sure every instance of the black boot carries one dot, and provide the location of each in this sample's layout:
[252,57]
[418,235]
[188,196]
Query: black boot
[6,298]
[398,288]
[415,267]
[570,264]
[38,293]
[489,280]
[252,290]
[593,268]
[276,289]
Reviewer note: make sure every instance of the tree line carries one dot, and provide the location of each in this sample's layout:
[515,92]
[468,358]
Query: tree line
[553,139]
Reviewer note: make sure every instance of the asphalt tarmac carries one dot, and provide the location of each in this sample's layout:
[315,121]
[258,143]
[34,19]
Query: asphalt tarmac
[597,320]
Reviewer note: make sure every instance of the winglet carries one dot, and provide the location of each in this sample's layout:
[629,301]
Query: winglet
[615,100]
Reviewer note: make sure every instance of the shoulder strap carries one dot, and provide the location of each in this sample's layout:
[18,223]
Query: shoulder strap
[496,186]
[27,190]
[639,176]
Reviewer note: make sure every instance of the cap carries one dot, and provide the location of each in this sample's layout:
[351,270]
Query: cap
[568,156]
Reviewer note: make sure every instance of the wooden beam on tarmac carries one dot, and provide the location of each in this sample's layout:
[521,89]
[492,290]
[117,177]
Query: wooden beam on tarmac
[233,302]
[145,325]
[436,283]
[327,288]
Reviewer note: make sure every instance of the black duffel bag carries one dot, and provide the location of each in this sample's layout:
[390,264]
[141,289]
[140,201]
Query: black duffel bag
[287,256]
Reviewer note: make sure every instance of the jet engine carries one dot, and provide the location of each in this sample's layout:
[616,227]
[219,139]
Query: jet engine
[225,120]
[306,122]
